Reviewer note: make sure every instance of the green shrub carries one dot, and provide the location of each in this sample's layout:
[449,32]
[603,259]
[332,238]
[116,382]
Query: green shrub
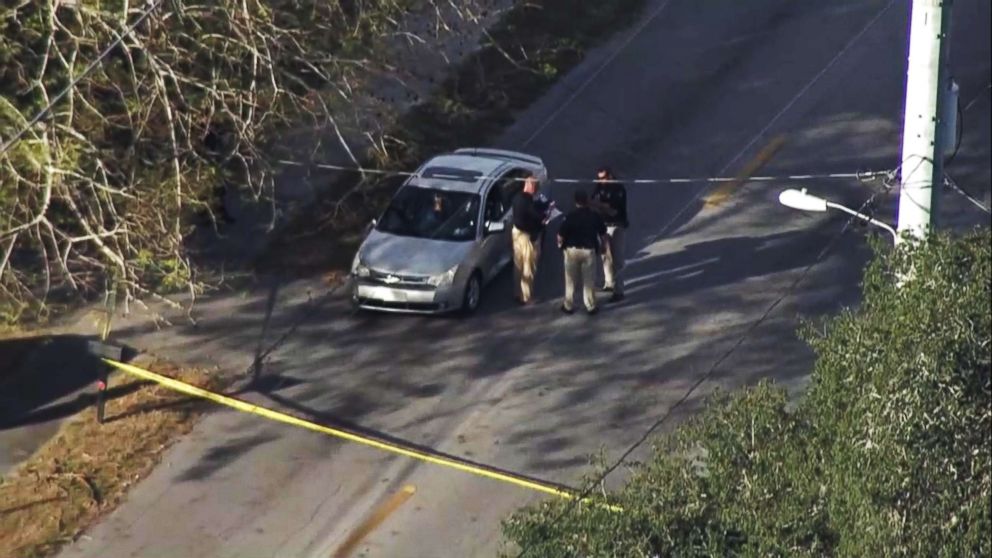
[900,402]
[887,454]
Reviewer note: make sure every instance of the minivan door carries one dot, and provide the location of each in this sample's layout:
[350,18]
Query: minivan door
[496,240]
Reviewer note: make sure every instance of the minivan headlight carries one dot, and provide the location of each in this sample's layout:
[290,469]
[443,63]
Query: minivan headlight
[358,267]
[443,279]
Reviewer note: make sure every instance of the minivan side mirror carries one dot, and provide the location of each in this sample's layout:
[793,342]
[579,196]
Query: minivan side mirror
[493,227]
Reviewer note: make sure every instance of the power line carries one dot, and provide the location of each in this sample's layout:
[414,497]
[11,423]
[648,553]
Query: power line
[977,98]
[587,491]
[862,176]
[954,186]
[578,90]
[72,84]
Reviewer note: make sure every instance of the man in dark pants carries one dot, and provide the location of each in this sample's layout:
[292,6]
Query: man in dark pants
[581,237]
[610,201]
[528,224]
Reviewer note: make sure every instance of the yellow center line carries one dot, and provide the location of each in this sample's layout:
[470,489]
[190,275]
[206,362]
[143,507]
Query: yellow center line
[374,520]
[722,192]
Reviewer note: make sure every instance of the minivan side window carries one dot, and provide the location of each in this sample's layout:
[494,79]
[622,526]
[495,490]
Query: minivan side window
[495,208]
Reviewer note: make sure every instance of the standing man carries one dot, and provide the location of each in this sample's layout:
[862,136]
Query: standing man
[610,201]
[528,224]
[581,236]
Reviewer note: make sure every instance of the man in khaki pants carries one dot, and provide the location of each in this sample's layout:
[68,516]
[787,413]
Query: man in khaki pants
[581,237]
[609,199]
[528,224]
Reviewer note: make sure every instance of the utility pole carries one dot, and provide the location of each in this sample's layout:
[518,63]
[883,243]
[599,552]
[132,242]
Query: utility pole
[922,155]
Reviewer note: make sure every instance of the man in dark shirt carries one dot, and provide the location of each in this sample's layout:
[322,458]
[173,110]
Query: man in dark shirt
[610,201]
[528,224]
[581,237]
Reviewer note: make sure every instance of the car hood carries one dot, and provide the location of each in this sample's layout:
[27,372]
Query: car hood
[405,255]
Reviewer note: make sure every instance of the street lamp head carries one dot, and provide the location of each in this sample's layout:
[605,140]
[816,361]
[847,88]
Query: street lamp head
[799,199]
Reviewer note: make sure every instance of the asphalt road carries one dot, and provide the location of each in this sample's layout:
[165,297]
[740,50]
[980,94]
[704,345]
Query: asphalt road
[695,89]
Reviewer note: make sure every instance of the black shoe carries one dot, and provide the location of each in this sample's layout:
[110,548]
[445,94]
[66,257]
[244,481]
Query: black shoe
[607,289]
[617,297]
[567,310]
[593,312]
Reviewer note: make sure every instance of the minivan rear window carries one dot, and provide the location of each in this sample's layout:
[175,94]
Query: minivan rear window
[451,173]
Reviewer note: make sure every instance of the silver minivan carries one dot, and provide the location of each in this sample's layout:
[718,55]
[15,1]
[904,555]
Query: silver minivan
[444,235]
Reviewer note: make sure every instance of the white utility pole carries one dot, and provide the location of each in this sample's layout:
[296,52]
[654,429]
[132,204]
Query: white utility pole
[922,156]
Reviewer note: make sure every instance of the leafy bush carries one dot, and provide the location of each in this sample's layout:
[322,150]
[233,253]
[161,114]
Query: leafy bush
[887,454]
[900,404]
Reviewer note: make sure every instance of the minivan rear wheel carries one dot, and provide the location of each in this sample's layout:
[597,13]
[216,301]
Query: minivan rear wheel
[473,294]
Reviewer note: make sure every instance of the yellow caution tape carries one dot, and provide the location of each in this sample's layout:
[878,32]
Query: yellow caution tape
[243,406]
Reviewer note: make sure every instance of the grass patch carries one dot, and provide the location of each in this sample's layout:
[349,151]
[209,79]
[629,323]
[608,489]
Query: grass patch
[86,469]
[534,44]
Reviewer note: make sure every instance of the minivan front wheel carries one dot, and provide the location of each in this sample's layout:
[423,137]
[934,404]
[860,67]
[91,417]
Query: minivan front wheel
[473,294]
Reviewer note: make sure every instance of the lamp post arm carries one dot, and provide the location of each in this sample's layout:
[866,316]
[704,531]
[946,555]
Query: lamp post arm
[863,217]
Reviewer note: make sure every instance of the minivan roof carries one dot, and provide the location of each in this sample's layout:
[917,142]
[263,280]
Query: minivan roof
[457,172]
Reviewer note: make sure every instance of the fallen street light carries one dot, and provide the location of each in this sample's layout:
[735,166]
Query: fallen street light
[799,199]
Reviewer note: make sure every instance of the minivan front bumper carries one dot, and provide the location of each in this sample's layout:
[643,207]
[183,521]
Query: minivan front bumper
[418,299]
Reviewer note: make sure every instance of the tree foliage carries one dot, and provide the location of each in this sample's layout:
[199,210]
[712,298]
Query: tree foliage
[888,453]
[102,190]
[203,97]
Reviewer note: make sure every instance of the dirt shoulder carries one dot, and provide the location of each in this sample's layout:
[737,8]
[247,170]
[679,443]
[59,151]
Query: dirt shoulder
[86,468]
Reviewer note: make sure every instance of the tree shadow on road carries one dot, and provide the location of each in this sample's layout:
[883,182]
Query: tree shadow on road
[46,382]
[416,378]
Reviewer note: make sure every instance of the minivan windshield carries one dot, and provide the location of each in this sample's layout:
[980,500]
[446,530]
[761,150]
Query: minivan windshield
[430,213]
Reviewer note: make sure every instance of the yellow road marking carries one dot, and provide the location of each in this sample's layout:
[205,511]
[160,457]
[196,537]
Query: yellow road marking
[374,520]
[276,416]
[722,192]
